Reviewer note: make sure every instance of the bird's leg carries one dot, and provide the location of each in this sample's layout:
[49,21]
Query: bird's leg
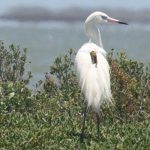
[98,123]
[83,125]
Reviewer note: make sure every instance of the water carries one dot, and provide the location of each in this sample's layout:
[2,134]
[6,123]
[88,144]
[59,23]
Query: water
[45,41]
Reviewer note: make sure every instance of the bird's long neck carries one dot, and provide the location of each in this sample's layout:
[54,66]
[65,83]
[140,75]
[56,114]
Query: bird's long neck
[99,38]
[93,33]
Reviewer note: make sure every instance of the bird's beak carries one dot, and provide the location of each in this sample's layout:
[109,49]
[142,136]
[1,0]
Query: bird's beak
[112,20]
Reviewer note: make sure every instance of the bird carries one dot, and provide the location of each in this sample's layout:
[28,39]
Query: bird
[92,67]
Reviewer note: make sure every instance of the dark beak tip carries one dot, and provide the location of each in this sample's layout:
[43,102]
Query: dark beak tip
[123,23]
[126,23]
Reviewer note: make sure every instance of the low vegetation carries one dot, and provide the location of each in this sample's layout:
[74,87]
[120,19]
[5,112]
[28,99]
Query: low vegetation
[50,116]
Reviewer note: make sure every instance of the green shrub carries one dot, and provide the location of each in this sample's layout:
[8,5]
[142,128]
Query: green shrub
[130,87]
[51,117]
[14,95]
[12,64]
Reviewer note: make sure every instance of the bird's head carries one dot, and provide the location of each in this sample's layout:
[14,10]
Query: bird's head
[92,22]
[100,17]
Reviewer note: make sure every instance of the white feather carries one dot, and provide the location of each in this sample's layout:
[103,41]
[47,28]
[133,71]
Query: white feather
[94,79]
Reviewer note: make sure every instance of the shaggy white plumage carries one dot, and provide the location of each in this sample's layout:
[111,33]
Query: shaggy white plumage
[94,79]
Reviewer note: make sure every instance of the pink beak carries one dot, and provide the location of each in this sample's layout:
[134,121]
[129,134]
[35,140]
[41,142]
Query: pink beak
[112,20]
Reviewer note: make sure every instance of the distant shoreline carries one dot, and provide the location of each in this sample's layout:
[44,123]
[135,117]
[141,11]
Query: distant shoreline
[40,14]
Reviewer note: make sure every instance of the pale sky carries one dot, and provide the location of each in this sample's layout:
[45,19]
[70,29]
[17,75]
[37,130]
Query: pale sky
[53,4]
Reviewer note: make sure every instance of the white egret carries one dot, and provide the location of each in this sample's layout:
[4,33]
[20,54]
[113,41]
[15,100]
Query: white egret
[92,67]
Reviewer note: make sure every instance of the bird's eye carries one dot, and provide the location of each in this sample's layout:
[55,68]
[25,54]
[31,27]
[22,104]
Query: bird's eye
[104,17]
